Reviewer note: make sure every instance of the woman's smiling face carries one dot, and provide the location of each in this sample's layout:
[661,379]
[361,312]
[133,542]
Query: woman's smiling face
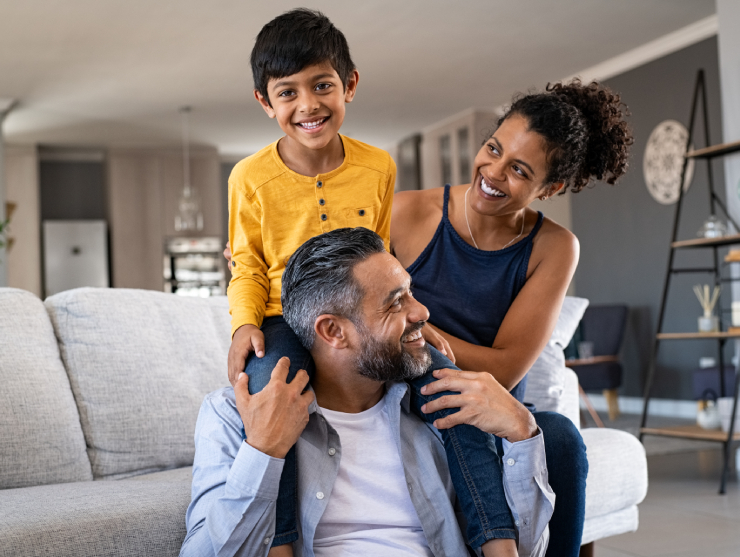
[510,169]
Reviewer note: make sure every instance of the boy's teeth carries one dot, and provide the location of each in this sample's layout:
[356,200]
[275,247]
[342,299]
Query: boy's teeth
[312,125]
[490,190]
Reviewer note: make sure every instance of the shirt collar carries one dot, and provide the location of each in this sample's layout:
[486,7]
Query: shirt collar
[396,392]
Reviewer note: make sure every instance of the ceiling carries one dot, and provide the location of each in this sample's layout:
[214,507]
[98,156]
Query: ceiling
[115,72]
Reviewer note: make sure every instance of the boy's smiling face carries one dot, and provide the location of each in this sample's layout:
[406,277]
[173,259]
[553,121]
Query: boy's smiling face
[309,105]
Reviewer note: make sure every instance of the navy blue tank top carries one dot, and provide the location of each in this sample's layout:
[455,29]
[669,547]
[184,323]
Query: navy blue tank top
[468,291]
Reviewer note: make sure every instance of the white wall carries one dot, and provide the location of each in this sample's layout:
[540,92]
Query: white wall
[3,258]
[728,14]
[22,189]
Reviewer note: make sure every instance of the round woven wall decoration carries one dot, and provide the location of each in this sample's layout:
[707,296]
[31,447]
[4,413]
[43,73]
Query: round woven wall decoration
[663,161]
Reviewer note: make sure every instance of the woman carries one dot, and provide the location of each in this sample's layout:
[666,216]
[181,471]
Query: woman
[493,272]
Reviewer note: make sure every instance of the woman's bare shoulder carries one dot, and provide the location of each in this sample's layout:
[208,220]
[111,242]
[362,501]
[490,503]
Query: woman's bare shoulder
[415,208]
[415,216]
[555,238]
[414,204]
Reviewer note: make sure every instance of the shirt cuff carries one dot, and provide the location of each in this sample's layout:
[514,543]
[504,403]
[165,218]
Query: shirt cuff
[243,317]
[524,459]
[256,473]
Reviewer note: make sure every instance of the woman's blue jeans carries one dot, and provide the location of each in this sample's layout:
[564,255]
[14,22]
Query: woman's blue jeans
[475,467]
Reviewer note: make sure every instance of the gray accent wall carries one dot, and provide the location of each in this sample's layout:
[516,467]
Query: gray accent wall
[625,234]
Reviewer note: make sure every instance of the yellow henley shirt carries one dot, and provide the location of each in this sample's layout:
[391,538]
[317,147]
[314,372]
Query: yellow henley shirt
[273,211]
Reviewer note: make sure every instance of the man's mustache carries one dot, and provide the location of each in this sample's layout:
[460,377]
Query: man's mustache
[413,328]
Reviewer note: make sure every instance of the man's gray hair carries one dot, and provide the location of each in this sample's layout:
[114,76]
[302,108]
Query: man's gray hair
[319,278]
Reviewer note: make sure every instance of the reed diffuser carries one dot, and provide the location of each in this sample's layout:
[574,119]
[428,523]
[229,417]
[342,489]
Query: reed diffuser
[708,323]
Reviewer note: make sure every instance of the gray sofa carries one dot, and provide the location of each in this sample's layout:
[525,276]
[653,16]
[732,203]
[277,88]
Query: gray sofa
[100,394]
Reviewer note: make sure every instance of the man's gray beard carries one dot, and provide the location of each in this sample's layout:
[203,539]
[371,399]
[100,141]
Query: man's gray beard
[386,361]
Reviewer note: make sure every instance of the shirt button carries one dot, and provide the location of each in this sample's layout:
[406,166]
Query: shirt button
[321,201]
[323,217]
[511,462]
[319,184]
[362,212]
[233,263]
[320,495]
[332,451]
[267,541]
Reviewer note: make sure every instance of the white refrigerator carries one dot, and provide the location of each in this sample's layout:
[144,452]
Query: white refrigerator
[75,254]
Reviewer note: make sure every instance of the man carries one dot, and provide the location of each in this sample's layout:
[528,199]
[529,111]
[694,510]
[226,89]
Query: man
[372,477]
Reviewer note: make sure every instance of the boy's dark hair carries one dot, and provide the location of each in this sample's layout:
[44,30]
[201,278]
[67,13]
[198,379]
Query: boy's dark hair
[295,40]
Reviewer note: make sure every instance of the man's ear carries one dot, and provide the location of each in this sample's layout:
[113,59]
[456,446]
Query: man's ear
[351,89]
[265,103]
[332,330]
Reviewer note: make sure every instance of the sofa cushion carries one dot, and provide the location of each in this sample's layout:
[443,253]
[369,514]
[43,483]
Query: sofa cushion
[41,440]
[140,363]
[568,319]
[546,377]
[116,519]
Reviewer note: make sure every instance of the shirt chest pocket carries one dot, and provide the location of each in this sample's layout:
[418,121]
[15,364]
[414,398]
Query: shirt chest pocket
[367,217]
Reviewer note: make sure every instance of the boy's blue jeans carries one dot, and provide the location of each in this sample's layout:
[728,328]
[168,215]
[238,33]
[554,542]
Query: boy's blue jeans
[475,467]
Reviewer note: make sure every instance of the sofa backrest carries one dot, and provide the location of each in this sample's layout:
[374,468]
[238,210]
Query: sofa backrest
[41,439]
[139,363]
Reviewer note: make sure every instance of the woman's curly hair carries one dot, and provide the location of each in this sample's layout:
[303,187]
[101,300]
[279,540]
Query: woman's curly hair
[584,128]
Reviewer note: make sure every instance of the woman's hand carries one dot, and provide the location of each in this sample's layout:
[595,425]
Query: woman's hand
[432,336]
[483,403]
[227,256]
[246,339]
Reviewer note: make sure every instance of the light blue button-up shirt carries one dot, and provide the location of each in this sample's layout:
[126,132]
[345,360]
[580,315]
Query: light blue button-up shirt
[235,486]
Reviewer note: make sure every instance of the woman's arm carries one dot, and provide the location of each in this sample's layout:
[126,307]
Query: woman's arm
[531,318]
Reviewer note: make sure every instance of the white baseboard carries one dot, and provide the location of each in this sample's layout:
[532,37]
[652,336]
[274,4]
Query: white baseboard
[658,406]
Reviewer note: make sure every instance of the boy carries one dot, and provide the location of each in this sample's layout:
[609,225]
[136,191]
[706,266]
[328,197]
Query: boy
[311,181]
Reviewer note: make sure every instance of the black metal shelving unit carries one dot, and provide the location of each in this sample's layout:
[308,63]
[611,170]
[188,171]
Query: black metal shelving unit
[707,153]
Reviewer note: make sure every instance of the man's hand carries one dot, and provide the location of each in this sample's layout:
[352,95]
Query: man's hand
[483,403]
[432,336]
[275,417]
[227,254]
[247,338]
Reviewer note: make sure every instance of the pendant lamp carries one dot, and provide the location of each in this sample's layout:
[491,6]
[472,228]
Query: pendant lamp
[189,217]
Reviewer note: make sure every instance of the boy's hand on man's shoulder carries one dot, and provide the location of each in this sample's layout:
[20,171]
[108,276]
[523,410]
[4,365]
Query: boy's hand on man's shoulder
[246,339]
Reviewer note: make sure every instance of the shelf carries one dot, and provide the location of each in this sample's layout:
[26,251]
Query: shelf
[690,432]
[690,336]
[714,151]
[707,242]
[594,360]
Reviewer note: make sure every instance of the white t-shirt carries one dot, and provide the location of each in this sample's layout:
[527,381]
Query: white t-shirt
[369,512]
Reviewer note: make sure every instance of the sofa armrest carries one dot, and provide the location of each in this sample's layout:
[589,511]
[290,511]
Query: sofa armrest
[617,481]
